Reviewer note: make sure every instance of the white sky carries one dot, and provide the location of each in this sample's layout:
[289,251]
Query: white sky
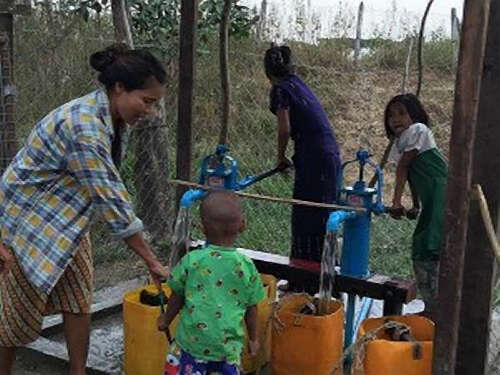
[442,7]
[376,12]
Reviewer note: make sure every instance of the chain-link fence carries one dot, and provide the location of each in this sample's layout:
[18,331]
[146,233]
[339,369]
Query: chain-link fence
[51,67]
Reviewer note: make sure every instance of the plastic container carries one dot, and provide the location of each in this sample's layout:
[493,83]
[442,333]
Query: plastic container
[140,332]
[306,344]
[383,356]
[145,347]
[264,316]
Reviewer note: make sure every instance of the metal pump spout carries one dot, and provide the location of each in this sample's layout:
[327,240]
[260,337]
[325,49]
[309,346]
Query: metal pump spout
[191,196]
[336,218]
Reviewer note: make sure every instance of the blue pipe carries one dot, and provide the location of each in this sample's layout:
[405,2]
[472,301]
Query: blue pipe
[363,313]
[192,195]
[349,333]
[338,217]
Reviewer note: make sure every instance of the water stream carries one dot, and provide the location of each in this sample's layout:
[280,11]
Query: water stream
[180,239]
[330,247]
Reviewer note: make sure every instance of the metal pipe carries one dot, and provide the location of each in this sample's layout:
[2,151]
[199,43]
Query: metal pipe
[192,195]
[338,217]
[351,306]
[366,306]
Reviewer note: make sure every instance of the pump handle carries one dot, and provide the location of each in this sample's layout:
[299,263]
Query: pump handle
[270,172]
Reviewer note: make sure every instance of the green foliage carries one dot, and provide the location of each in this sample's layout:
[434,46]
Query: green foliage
[158,21]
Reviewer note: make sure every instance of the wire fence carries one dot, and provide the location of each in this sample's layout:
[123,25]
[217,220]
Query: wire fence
[51,67]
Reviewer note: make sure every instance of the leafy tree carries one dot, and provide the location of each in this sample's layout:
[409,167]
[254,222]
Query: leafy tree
[157,22]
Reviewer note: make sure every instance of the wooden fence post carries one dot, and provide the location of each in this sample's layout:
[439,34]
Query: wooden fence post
[359,26]
[467,89]
[7,127]
[187,55]
[472,350]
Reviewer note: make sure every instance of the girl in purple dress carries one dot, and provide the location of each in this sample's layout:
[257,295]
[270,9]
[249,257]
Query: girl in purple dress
[316,153]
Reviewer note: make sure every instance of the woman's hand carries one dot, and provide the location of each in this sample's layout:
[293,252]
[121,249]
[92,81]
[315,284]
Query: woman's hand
[158,272]
[137,243]
[6,260]
[284,164]
[397,211]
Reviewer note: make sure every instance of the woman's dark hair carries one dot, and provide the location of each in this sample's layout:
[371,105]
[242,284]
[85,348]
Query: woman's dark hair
[414,108]
[130,67]
[278,61]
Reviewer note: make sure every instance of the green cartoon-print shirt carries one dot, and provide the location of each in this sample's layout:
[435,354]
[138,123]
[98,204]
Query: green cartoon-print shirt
[218,284]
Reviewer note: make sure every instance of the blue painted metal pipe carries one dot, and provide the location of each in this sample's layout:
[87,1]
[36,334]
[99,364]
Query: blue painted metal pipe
[363,313]
[349,320]
[356,245]
[192,195]
[338,217]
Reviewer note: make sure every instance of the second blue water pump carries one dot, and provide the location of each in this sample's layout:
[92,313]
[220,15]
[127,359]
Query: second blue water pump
[356,238]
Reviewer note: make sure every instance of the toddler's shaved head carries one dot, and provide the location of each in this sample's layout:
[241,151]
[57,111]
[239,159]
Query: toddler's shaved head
[221,216]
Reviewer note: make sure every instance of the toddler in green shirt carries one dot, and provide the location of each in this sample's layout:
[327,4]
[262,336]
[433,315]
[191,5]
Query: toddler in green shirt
[214,289]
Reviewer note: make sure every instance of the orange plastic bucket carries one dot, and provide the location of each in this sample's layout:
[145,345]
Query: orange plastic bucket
[306,344]
[383,356]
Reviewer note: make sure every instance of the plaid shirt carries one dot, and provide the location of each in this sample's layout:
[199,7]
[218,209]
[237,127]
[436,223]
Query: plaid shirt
[55,184]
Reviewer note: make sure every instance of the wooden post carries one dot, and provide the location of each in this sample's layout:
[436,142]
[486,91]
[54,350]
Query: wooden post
[187,55]
[149,139]
[359,25]
[224,70]
[7,95]
[420,51]
[407,67]
[470,67]
[455,35]
[472,350]
[261,26]
[120,22]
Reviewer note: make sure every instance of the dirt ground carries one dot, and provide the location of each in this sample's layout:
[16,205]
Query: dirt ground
[28,363]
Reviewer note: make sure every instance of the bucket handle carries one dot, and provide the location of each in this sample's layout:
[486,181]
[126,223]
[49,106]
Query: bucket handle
[403,333]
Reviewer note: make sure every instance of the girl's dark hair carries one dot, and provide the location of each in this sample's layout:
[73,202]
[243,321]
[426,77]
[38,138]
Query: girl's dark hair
[130,67]
[414,108]
[278,61]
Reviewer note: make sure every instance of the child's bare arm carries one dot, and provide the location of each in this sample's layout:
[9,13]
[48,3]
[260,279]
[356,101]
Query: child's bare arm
[402,176]
[251,323]
[174,305]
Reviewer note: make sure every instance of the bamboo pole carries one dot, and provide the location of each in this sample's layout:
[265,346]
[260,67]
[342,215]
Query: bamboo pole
[297,202]
[488,223]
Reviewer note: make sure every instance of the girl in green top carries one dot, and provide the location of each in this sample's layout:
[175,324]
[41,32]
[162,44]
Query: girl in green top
[421,164]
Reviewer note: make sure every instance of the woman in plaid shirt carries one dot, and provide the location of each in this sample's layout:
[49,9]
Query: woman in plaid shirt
[66,172]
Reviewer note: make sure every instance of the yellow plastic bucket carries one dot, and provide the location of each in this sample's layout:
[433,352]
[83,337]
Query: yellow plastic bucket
[145,347]
[383,356]
[306,344]
[140,332]
[264,316]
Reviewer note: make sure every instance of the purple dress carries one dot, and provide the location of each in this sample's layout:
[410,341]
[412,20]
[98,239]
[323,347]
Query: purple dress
[316,160]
